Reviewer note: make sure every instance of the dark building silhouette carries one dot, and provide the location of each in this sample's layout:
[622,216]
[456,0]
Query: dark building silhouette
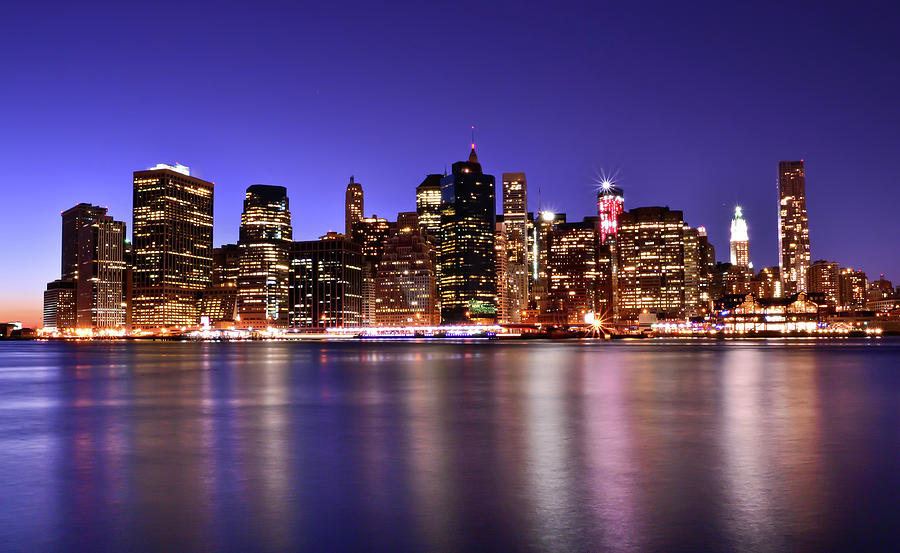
[353,205]
[220,298]
[325,282]
[468,286]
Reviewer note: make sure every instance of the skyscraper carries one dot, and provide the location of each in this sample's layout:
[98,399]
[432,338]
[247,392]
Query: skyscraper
[515,233]
[854,285]
[651,267]
[740,241]
[59,305]
[353,206]
[405,287]
[173,235]
[793,226]
[72,221]
[610,204]
[574,270]
[428,206]
[326,282]
[101,264]
[468,287]
[264,241]
[220,297]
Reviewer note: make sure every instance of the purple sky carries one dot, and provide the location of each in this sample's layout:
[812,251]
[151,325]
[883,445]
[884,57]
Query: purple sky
[693,103]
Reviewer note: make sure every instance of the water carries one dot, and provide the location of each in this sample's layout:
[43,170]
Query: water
[642,446]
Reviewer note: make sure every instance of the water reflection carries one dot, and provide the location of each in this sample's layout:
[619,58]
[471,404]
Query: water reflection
[449,447]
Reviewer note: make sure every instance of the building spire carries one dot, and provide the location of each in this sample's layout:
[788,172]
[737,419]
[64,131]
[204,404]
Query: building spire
[473,157]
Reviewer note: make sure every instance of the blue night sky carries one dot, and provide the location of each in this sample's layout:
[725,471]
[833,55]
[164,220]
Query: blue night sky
[693,103]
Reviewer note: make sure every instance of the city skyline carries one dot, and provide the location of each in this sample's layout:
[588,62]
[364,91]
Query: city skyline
[701,144]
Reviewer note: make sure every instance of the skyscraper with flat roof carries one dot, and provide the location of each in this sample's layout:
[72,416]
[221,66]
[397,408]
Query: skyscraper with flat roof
[173,236]
[101,266]
[793,226]
[353,205]
[265,238]
[428,206]
[515,233]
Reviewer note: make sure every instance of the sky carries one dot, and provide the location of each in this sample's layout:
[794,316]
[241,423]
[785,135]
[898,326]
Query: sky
[693,103]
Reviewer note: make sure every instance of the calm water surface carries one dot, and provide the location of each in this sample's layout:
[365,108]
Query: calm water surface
[647,446]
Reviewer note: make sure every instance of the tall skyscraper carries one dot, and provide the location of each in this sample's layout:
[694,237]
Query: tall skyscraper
[220,297]
[353,206]
[428,206]
[326,283]
[651,267]
[740,240]
[793,226]
[264,241]
[72,221]
[101,264]
[854,285]
[574,270]
[515,281]
[468,286]
[406,287]
[610,204]
[173,236]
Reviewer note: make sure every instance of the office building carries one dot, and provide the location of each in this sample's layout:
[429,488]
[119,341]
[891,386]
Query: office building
[793,226]
[573,267]
[766,284]
[325,283]
[219,301]
[740,240]
[173,236]
[428,206]
[72,221]
[353,205]
[651,266]
[265,237]
[610,205]
[99,296]
[514,285]
[468,286]
[59,305]
[406,285]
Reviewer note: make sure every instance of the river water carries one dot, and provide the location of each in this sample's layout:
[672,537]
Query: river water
[787,445]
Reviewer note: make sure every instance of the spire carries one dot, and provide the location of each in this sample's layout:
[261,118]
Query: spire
[351,179]
[473,157]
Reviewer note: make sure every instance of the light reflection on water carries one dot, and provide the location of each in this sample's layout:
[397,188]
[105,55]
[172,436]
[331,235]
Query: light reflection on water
[754,446]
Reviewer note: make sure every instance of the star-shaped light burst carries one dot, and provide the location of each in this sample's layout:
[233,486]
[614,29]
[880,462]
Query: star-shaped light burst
[605,181]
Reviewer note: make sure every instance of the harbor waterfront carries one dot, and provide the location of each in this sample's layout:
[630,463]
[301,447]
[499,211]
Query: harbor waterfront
[628,445]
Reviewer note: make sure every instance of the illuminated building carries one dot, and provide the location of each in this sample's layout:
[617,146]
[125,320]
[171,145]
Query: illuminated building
[468,286]
[264,240]
[406,220]
[59,305]
[767,283]
[428,206]
[325,282]
[740,240]
[547,221]
[219,301]
[101,265]
[173,227]
[72,221]
[793,226]
[370,233]
[406,285]
[610,205]
[746,313]
[651,262]
[707,255]
[353,205]
[881,295]
[692,271]
[500,267]
[853,286]
[574,271]
[825,278]
[513,287]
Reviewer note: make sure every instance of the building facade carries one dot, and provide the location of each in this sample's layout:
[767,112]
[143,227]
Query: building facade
[854,285]
[740,240]
[173,236]
[793,226]
[650,251]
[406,284]
[219,301]
[325,283]
[574,270]
[428,206]
[468,286]
[825,278]
[59,305]
[514,286]
[101,267]
[265,239]
[353,205]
